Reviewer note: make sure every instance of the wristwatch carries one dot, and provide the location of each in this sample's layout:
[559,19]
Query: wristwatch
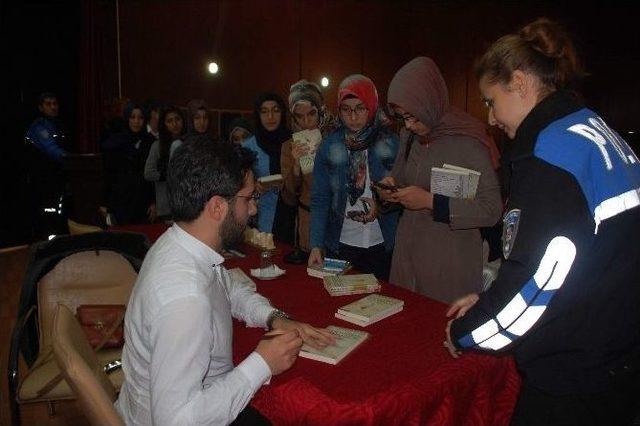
[276,313]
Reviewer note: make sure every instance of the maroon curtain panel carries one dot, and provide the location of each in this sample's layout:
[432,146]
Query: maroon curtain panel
[89,89]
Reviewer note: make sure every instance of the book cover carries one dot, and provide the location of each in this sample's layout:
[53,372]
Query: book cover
[330,267]
[346,341]
[362,323]
[271,181]
[454,181]
[474,177]
[340,285]
[350,281]
[371,307]
[310,139]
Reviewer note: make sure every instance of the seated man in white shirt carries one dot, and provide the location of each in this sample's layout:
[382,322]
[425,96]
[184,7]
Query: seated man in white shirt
[177,358]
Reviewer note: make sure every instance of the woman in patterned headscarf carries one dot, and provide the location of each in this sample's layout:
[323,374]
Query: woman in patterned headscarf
[309,112]
[344,219]
[439,249]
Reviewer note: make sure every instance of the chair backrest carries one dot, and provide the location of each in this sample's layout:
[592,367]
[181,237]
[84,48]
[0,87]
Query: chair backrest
[76,228]
[86,278]
[82,370]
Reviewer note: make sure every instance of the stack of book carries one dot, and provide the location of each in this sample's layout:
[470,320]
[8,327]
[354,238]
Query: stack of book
[329,268]
[341,285]
[346,341]
[370,309]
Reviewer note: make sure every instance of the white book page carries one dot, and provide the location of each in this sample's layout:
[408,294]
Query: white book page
[450,183]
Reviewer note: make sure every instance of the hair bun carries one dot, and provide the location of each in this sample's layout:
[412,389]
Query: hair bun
[548,38]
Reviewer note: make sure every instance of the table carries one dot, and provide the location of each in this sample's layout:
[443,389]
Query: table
[401,375]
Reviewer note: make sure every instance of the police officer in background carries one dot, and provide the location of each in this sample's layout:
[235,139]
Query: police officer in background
[46,145]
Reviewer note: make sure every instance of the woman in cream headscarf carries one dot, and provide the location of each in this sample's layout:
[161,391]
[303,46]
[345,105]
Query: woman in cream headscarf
[309,112]
[438,249]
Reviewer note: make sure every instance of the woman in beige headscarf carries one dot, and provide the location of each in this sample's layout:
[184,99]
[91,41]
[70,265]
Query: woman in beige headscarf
[438,249]
[308,112]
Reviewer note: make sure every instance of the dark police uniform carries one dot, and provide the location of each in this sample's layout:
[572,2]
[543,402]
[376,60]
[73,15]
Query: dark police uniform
[46,145]
[566,302]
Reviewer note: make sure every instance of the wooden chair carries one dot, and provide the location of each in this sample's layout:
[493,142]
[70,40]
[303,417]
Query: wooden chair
[82,370]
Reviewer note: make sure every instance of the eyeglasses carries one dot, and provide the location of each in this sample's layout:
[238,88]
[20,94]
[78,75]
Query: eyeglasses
[488,102]
[359,110]
[405,118]
[253,197]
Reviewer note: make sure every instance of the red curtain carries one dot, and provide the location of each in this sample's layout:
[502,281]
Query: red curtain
[90,97]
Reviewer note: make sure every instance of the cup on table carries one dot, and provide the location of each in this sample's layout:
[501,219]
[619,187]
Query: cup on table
[266,259]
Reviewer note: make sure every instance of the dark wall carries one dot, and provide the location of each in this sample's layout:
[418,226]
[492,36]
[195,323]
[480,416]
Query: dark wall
[267,45]
[40,47]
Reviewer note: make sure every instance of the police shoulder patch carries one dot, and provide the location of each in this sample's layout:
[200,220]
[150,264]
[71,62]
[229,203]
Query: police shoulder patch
[509,231]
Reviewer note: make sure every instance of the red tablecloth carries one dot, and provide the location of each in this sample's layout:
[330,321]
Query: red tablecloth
[401,375]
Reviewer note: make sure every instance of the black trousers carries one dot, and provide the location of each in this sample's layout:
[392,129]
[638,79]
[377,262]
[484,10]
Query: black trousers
[250,417]
[618,406]
[373,260]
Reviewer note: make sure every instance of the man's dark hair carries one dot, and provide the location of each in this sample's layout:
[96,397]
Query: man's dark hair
[202,169]
[46,95]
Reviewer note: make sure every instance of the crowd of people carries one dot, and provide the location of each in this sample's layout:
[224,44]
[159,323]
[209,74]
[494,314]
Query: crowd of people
[565,300]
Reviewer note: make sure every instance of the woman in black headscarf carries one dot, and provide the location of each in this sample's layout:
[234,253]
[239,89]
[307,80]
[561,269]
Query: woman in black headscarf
[129,197]
[270,114]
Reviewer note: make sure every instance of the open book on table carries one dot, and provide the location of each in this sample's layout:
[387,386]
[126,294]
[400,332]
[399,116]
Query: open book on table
[346,341]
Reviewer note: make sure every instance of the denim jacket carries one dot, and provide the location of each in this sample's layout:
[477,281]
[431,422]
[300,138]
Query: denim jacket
[268,200]
[329,191]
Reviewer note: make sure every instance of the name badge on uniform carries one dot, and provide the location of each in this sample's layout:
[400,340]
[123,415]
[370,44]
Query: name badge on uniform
[509,231]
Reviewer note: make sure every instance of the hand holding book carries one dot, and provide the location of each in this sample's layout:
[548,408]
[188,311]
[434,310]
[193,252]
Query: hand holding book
[315,337]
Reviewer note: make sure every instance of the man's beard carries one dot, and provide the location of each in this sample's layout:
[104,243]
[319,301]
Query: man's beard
[231,231]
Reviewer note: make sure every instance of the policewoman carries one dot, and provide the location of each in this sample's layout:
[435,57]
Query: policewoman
[566,302]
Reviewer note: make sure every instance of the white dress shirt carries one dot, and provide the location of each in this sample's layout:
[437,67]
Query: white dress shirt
[178,334]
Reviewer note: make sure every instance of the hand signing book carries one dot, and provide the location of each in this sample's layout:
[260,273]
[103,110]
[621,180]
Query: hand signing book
[315,337]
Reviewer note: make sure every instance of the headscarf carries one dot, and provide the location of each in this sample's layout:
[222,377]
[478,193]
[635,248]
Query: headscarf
[166,139]
[271,142]
[361,87]
[126,114]
[305,91]
[419,88]
[193,107]
[239,123]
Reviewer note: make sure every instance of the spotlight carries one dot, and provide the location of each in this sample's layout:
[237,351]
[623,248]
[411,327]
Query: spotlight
[213,68]
[324,82]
